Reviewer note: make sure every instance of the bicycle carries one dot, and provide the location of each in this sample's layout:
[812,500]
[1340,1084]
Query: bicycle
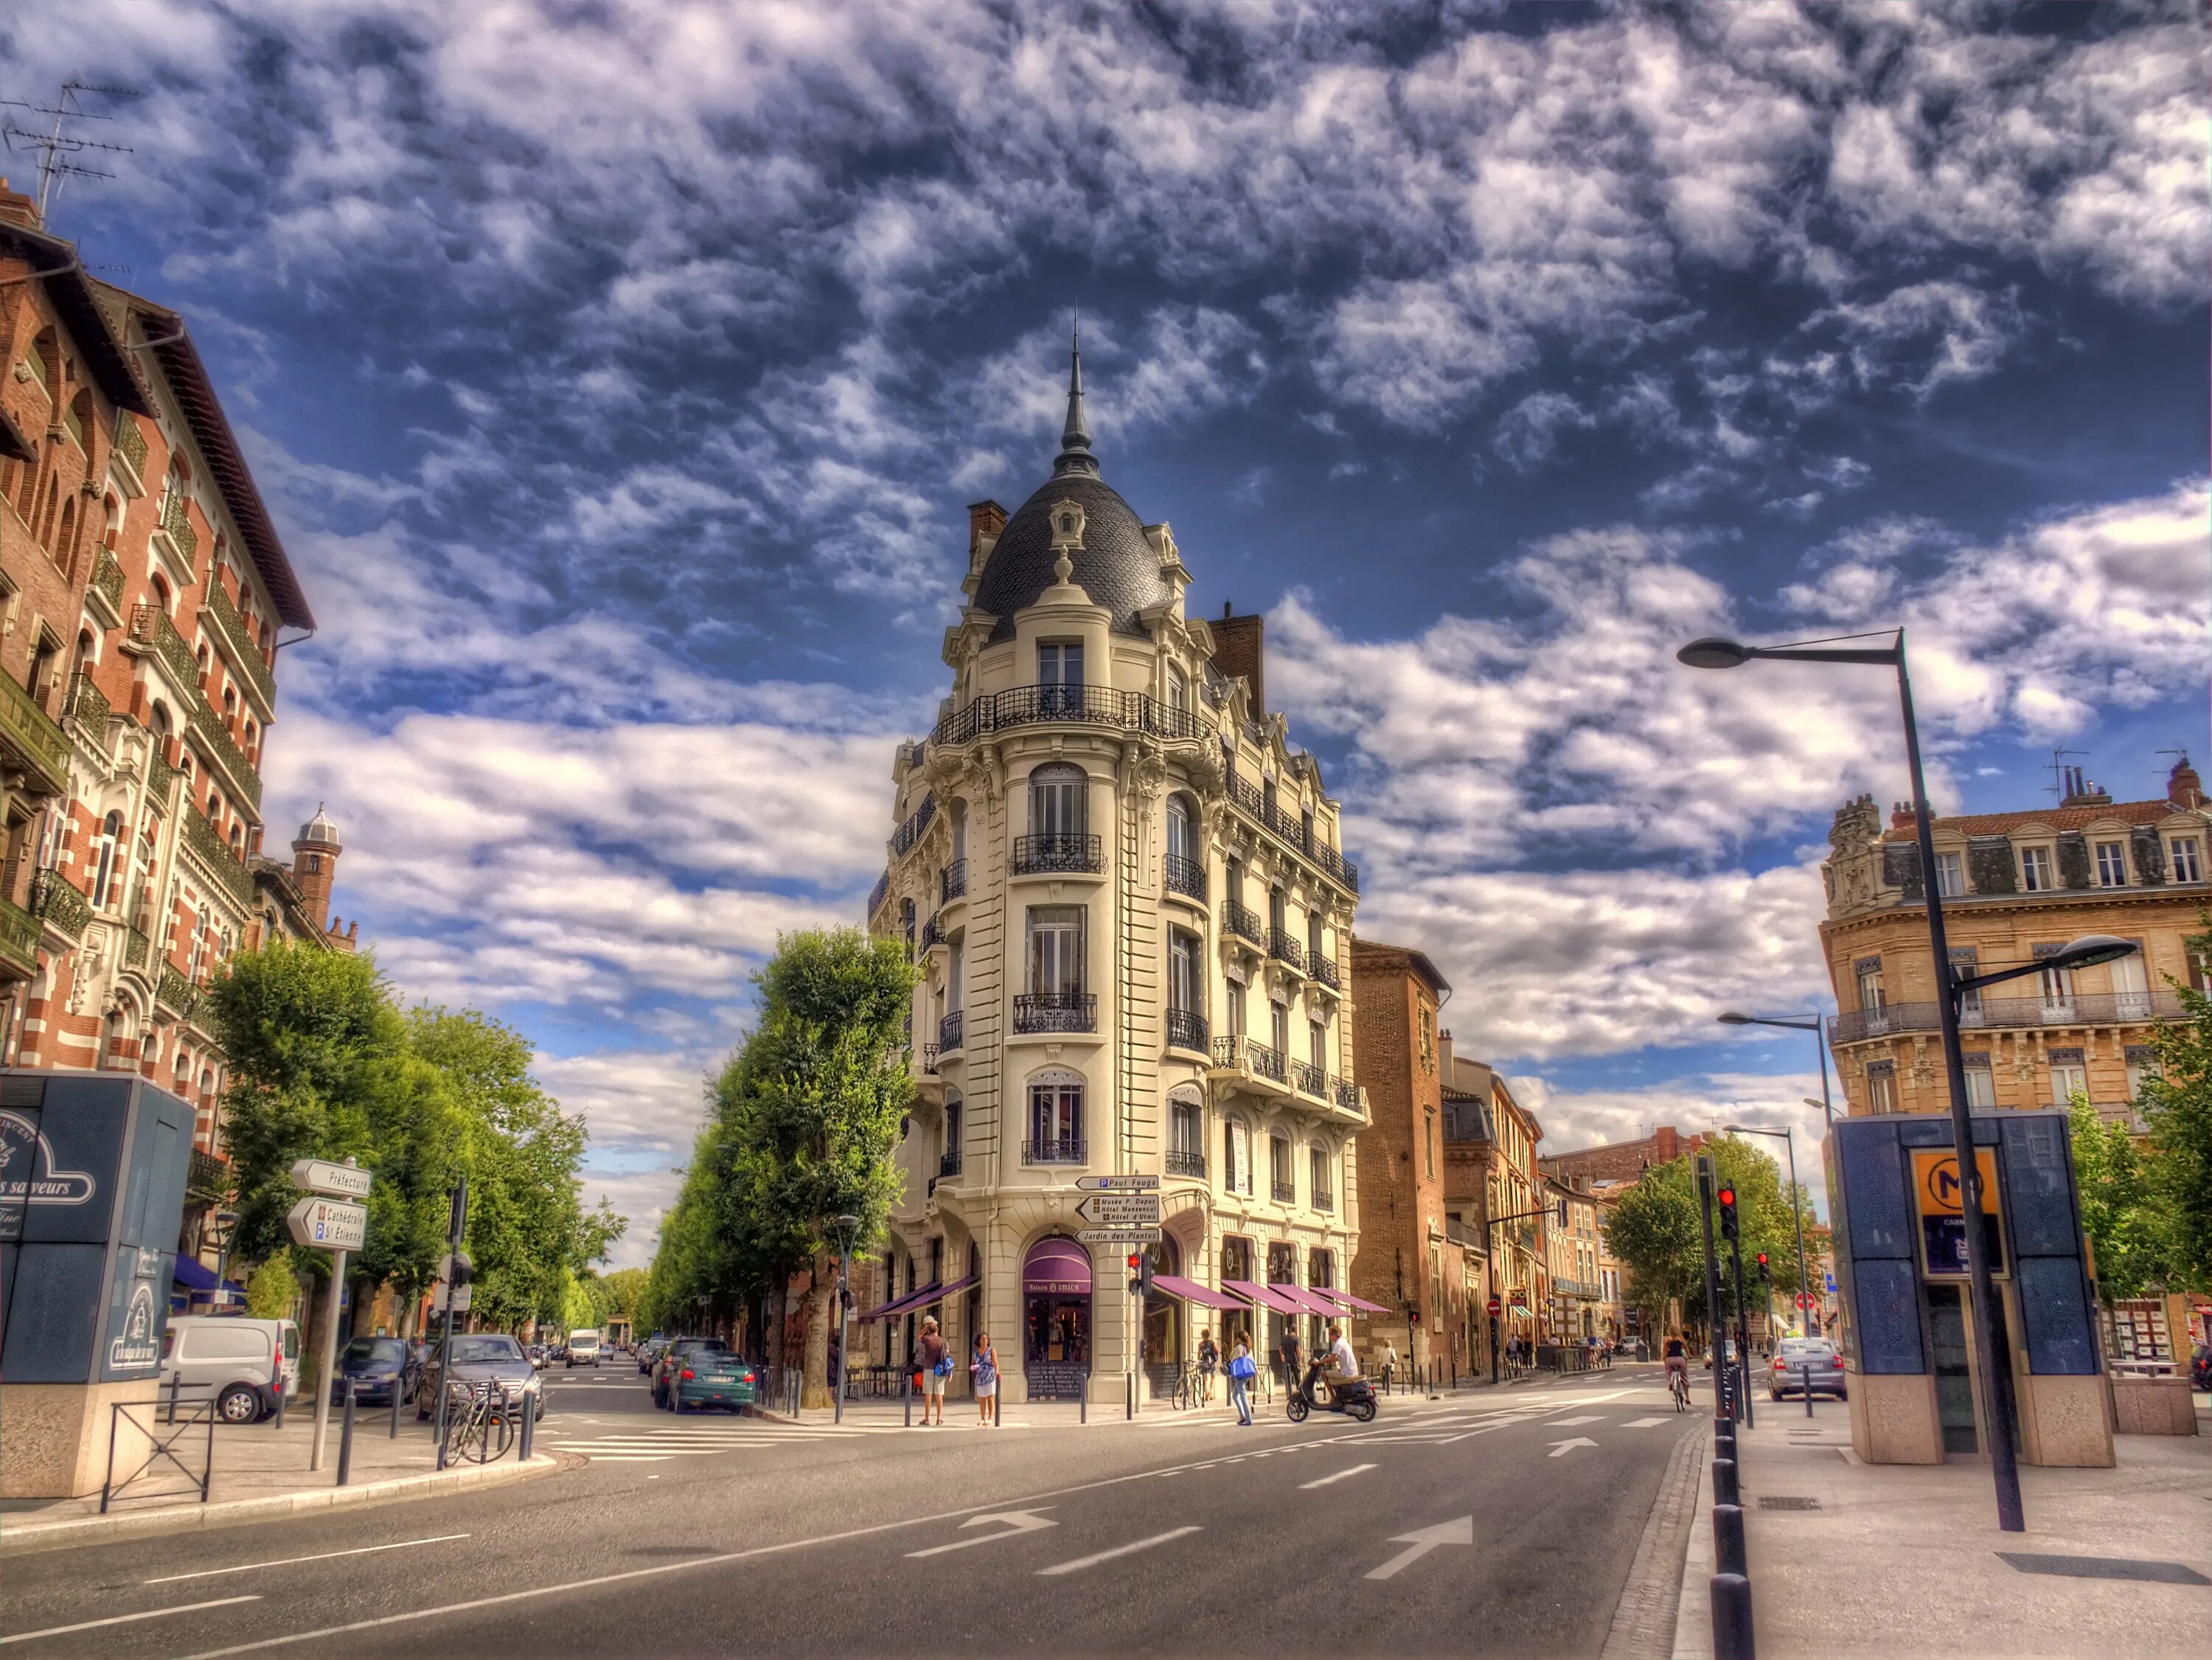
[479,1424]
[1677,1385]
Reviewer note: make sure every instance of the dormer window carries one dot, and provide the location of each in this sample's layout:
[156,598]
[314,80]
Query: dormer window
[2111,864]
[2035,870]
[2188,867]
[1950,875]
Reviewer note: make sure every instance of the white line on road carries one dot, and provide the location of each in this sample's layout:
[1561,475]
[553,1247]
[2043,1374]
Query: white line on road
[1571,1423]
[1561,1448]
[125,1619]
[631,1457]
[1024,1522]
[287,1561]
[1647,1423]
[1083,1562]
[1338,1476]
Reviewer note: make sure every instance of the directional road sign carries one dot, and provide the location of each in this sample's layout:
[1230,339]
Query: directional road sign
[1119,1235]
[321,1176]
[1120,1210]
[1122,1184]
[328,1225]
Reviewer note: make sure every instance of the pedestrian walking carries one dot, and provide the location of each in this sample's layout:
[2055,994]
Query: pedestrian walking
[1389,1364]
[1242,1370]
[1209,1360]
[984,1368]
[1290,1356]
[935,1366]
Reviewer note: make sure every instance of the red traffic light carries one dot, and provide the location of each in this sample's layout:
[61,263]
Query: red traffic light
[1727,1195]
[1133,1260]
[1762,1259]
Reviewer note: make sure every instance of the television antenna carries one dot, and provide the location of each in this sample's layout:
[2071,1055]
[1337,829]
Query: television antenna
[55,147]
[2057,771]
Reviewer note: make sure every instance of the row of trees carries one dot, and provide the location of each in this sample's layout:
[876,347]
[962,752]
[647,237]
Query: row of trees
[324,1064]
[1656,1231]
[801,1124]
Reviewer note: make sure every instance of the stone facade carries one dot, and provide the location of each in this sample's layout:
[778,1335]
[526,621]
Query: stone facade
[1125,892]
[2016,884]
[1490,1173]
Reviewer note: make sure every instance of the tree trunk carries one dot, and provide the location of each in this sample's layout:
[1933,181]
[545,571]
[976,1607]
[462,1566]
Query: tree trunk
[820,1293]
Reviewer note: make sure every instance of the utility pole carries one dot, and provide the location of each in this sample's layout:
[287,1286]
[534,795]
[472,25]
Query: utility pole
[1714,1324]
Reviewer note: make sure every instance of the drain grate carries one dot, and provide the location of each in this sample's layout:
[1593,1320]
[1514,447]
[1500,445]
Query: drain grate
[2105,1567]
[1787,1501]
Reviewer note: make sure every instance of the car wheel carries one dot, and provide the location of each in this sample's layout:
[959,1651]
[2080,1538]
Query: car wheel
[239,1403]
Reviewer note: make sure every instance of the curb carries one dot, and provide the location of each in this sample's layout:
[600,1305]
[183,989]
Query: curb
[1693,1620]
[21,1540]
[1645,1619]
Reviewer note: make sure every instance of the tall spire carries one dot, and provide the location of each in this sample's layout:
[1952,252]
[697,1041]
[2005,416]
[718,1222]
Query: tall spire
[1075,454]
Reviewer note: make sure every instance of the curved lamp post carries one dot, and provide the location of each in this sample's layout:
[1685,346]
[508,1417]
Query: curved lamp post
[1812,1023]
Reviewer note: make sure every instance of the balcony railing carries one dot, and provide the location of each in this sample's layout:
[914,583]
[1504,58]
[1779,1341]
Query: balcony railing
[177,528]
[933,933]
[1323,969]
[1056,1011]
[2111,1008]
[1309,1080]
[1185,876]
[1323,1199]
[1292,829]
[19,937]
[1185,1030]
[1284,949]
[243,650]
[1244,922]
[929,1052]
[1092,706]
[137,949]
[949,1030]
[1243,1054]
[1064,1150]
[88,705]
[201,837]
[223,750]
[131,447]
[1186,1164]
[1347,1095]
[151,630]
[108,583]
[950,1164]
[955,885]
[55,899]
[1058,854]
[172,991]
[33,734]
[1286,1193]
[880,893]
[917,821]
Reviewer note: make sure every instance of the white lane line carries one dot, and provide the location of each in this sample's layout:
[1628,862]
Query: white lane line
[287,1561]
[1340,1475]
[125,1619]
[1083,1562]
[629,1458]
[1648,1423]
[1571,1423]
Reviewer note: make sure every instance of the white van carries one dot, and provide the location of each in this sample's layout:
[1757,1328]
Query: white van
[583,1348]
[238,1364]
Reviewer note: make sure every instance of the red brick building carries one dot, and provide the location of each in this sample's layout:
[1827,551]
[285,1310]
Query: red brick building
[1622,1162]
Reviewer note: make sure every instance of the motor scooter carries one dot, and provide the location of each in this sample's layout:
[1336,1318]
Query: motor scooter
[1355,1397]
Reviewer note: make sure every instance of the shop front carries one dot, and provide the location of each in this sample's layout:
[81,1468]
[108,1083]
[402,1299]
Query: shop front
[1056,1319]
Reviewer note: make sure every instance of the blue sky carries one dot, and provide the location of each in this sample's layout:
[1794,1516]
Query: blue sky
[620,375]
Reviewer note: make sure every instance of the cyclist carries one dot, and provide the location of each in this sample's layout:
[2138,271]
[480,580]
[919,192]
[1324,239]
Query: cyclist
[1677,1353]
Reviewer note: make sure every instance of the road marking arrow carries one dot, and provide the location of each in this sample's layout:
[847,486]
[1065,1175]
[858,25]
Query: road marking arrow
[1421,1542]
[1023,1521]
[1561,1448]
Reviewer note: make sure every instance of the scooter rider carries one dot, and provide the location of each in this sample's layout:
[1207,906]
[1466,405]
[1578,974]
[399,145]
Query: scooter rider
[1346,1363]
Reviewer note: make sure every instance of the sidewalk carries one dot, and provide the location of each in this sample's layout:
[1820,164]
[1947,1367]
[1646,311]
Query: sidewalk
[260,1472]
[1849,1558]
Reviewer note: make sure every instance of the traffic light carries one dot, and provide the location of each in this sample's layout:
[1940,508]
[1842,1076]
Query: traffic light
[1140,1273]
[1765,1276]
[1728,1210]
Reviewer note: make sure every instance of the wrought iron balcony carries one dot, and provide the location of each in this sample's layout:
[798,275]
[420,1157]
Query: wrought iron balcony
[225,751]
[1060,854]
[1323,1199]
[949,1030]
[1244,922]
[929,1058]
[1064,1150]
[1284,949]
[880,893]
[955,884]
[245,653]
[1309,1080]
[19,938]
[2010,1014]
[88,705]
[207,845]
[131,447]
[1185,1030]
[933,933]
[107,584]
[1243,1054]
[32,733]
[177,528]
[172,991]
[56,900]
[1090,706]
[151,630]
[917,821]
[1186,1164]
[1323,969]
[1056,1011]
[950,1164]
[1347,1095]
[1292,830]
[1286,1193]
[1185,876]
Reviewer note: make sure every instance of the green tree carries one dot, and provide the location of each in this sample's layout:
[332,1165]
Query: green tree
[272,1290]
[1655,1230]
[2177,1109]
[625,1286]
[2125,1231]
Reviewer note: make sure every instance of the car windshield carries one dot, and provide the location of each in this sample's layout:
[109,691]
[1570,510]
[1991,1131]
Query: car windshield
[471,1350]
[389,1349]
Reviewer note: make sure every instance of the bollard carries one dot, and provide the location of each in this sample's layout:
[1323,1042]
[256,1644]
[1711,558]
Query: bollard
[529,1430]
[176,1384]
[1128,1395]
[1809,1389]
[1728,1539]
[906,1393]
[396,1392]
[1731,1598]
[1725,1488]
[345,1434]
[1083,1401]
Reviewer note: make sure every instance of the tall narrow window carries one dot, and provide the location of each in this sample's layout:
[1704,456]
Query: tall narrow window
[1184,992]
[2187,866]
[1236,1011]
[1178,688]
[1950,875]
[2069,1077]
[2111,864]
[1060,799]
[1055,948]
[1314,954]
[1317,1045]
[1187,1134]
[2035,870]
[955,975]
[1429,1140]
[1056,1118]
[1981,1083]
[1179,835]
[105,877]
[1060,676]
[1881,1086]
[2130,989]
[1279,1029]
[1323,1187]
[2057,987]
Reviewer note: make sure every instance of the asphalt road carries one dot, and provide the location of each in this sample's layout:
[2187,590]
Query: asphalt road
[1502,1521]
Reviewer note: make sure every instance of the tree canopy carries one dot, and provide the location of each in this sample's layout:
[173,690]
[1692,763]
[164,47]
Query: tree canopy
[1655,1230]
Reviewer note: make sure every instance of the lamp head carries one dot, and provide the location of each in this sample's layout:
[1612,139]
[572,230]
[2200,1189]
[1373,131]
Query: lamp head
[2090,950]
[1714,653]
[1810,1102]
[1732,1019]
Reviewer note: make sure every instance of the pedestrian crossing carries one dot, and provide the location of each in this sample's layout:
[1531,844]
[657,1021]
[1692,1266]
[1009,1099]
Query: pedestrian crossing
[656,1442]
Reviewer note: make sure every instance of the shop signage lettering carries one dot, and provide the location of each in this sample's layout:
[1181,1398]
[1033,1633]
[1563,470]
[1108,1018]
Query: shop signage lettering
[28,1176]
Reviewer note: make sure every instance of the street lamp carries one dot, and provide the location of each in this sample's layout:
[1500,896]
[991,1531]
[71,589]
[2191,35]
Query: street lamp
[1796,1198]
[1995,1358]
[1812,1023]
[848,1226]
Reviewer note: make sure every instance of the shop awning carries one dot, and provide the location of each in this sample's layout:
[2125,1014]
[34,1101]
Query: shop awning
[934,1292]
[1057,1267]
[1267,1297]
[1349,1300]
[1191,1292]
[1308,1301]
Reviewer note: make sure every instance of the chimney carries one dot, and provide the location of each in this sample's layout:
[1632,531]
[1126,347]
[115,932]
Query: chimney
[1901,815]
[2184,788]
[1240,650]
[2081,793]
[17,209]
[984,518]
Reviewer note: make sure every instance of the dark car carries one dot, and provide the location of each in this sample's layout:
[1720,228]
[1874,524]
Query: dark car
[480,1357]
[712,1376]
[377,1366]
[1803,1362]
[672,1362]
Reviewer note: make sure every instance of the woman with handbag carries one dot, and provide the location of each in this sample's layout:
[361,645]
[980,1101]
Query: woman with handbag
[1243,1368]
[985,1367]
[934,1362]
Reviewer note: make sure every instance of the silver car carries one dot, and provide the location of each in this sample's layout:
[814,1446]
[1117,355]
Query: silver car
[481,1357]
[1803,1361]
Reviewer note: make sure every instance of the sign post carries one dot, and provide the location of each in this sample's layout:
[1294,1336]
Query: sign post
[338,1227]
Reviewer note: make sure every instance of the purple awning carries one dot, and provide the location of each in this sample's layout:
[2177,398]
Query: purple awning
[1267,1297]
[1349,1300]
[1191,1292]
[1308,1301]
[1056,1268]
[932,1292]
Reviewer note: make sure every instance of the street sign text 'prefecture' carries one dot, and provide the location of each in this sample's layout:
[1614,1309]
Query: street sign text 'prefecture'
[328,1225]
[340,1180]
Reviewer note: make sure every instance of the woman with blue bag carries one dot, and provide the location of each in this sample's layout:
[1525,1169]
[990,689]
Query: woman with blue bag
[1243,1368]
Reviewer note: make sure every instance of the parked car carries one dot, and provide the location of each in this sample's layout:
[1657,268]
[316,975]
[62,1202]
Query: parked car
[664,1371]
[1787,1374]
[378,1367]
[584,1349]
[712,1377]
[478,1358]
[240,1364]
[649,1351]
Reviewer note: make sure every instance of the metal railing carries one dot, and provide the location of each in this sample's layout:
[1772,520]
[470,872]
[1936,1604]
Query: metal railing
[226,752]
[1347,1095]
[177,528]
[88,705]
[949,1031]
[918,821]
[35,734]
[1186,1164]
[165,1437]
[2007,1013]
[207,845]
[1061,1150]
[1323,1199]
[107,580]
[1284,949]
[1058,854]
[151,630]
[19,937]
[880,893]
[1323,969]
[1243,1054]
[1244,922]
[933,933]
[1309,1080]
[1187,1030]
[1185,876]
[929,1058]
[1285,1192]
[130,446]
[231,624]
[1252,800]
[1056,1011]
[1095,706]
[56,899]
[954,884]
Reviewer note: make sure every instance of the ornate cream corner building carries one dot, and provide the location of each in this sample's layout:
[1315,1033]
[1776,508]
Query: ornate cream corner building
[1134,919]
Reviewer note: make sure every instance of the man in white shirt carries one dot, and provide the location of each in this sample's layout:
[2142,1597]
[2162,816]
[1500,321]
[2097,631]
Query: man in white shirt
[1344,1364]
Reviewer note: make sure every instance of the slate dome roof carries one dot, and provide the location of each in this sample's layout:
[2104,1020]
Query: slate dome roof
[1115,565]
[319,829]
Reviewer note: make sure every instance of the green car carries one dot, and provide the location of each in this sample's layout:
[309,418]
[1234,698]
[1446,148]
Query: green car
[713,1378]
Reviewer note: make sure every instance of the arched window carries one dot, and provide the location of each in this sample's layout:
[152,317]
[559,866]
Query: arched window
[1185,1131]
[106,883]
[1060,801]
[161,597]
